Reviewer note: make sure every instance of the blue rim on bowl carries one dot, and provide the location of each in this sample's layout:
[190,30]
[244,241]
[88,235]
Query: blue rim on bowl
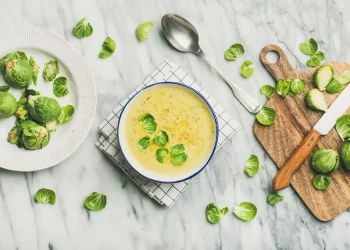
[216,130]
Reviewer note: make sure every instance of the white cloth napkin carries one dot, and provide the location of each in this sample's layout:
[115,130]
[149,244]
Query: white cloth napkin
[164,193]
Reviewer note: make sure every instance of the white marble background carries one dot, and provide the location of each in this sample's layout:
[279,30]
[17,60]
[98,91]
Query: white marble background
[131,220]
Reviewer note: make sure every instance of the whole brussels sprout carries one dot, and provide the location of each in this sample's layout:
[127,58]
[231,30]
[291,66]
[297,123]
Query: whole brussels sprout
[8,105]
[22,112]
[18,73]
[12,56]
[43,109]
[325,161]
[14,136]
[345,155]
[34,136]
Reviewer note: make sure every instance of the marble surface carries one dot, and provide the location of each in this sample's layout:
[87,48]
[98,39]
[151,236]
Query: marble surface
[131,220]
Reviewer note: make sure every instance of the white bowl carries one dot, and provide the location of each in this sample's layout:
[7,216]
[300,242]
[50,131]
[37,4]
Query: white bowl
[137,166]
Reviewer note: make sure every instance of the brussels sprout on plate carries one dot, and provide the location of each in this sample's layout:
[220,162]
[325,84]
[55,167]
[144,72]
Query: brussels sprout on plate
[43,109]
[18,73]
[60,86]
[325,161]
[51,69]
[315,100]
[143,30]
[8,105]
[14,136]
[322,76]
[22,112]
[35,69]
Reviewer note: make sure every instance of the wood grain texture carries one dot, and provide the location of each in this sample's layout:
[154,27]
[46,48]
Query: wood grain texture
[294,121]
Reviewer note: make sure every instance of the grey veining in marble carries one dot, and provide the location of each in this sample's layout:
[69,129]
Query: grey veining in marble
[131,220]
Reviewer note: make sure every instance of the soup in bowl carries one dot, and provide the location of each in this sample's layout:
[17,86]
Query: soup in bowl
[168,132]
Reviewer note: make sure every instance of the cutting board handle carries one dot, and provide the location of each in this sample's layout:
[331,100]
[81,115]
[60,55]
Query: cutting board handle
[280,69]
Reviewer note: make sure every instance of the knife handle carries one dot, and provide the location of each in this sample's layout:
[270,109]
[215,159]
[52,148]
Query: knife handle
[284,175]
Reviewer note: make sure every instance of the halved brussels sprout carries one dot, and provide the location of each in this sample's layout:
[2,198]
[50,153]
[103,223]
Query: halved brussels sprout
[34,136]
[325,161]
[51,69]
[8,105]
[314,99]
[43,109]
[322,76]
[345,155]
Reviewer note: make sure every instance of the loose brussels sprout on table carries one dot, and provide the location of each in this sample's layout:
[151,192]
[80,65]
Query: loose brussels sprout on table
[314,99]
[323,76]
[108,48]
[43,109]
[8,105]
[325,161]
[83,29]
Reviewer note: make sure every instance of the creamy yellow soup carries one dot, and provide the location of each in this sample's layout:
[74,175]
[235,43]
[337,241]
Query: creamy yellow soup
[180,112]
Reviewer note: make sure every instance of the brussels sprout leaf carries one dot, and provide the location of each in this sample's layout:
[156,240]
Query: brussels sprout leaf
[44,195]
[161,153]
[343,127]
[83,29]
[144,142]
[178,154]
[315,60]
[51,69]
[309,47]
[297,86]
[267,90]
[143,31]
[96,201]
[321,182]
[162,138]
[247,69]
[35,70]
[214,214]
[235,51]
[245,211]
[108,48]
[148,122]
[283,87]
[266,116]
[4,88]
[60,86]
[334,86]
[66,114]
[274,198]
[252,166]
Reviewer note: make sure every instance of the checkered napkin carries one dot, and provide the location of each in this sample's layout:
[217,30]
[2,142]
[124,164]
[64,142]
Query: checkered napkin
[164,193]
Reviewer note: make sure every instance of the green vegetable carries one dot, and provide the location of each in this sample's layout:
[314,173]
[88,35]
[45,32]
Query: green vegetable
[83,29]
[297,85]
[4,88]
[143,30]
[315,100]
[322,76]
[66,114]
[35,70]
[334,86]
[245,211]
[235,51]
[22,112]
[283,87]
[321,182]
[214,214]
[34,136]
[14,136]
[345,155]
[267,90]
[51,69]
[144,142]
[266,116]
[344,78]
[45,195]
[252,166]
[60,86]
[148,122]
[343,127]
[52,126]
[8,105]
[161,153]
[26,93]
[18,73]
[162,138]
[325,161]
[108,48]
[12,56]
[315,60]
[274,198]
[178,154]
[247,69]
[96,201]
[309,47]
[43,109]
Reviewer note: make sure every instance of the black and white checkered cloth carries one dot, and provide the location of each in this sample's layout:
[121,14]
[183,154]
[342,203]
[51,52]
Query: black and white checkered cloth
[164,193]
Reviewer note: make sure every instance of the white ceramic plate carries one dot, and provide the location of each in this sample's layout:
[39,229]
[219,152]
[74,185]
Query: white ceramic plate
[45,46]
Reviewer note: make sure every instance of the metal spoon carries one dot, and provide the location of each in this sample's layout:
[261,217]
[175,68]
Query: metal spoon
[183,36]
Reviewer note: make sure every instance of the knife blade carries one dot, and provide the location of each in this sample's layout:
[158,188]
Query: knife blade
[322,127]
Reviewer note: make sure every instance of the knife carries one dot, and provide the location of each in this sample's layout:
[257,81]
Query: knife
[322,127]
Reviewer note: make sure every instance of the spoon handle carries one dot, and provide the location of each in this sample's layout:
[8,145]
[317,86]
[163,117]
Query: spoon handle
[247,100]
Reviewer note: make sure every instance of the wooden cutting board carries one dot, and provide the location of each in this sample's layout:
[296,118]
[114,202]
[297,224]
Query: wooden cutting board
[294,121]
